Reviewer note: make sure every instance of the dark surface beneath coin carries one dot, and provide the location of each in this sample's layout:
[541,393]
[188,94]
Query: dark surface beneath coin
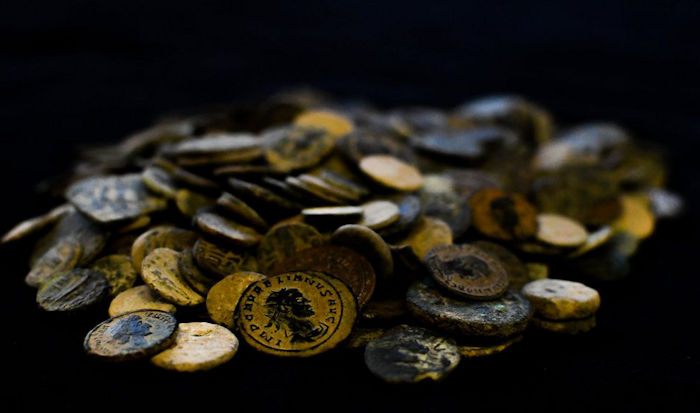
[71,71]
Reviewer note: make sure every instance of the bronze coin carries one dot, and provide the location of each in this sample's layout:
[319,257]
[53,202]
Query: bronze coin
[379,214]
[118,270]
[36,224]
[284,241]
[392,172]
[464,144]
[163,236]
[348,212]
[159,181]
[223,297]
[364,142]
[239,208]
[334,124]
[409,212]
[369,244]
[160,272]
[297,147]
[517,271]
[317,194]
[214,144]
[501,215]
[223,260]
[72,290]
[196,279]
[222,228]
[333,191]
[190,202]
[344,184]
[467,271]
[138,298]
[426,234]
[256,194]
[198,346]
[340,262]
[560,231]
[439,199]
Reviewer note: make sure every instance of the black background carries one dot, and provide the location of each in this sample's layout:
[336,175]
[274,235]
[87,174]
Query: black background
[75,72]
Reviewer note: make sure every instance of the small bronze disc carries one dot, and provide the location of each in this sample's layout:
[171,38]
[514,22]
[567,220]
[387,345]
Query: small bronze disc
[223,296]
[138,298]
[562,299]
[283,241]
[517,272]
[222,228]
[379,214]
[241,210]
[198,346]
[164,236]
[392,172]
[298,147]
[335,124]
[369,244]
[118,270]
[196,279]
[160,272]
[425,235]
[565,327]
[72,290]
[223,261]
[501,215]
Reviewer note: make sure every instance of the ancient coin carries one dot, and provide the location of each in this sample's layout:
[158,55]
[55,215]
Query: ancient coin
[334,124]
[298,147]
[664,203]
[409,212]
[320,185]
[36,224]
[222,228]
[351,213]
[198,346]
[501,215]
[594,240]
[160,272]
[365,142]
[221,260]
[535,271]
[283,241]
[565,327]
[473,351]
[464,144]
[223,296]
[138,223]
[118,270]
[391,172]
[190,202]
[427,234]
[188,269]
[517,272]
[213,144]
[138,298]
[62,256]
[369,244]
[259,196]
[159,181]
[316,194]
[340,262]
[561,299]
[379,214]
[560,231]
[503,317]
[72,290]
[241,210]
[114,198]
[296,314]
[636,218]
[439,199]
[163,236]
[130,336]
[343,183]
[467,271]
[407,354]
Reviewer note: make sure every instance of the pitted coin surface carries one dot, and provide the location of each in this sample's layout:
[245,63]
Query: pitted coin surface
[138,298]
[160,272]
[283,241]
[118,270]
[72,290]
[198,346]
[223,297]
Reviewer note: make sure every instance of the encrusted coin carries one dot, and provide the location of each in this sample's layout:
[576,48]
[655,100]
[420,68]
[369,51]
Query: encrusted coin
[36,224]
[369,244]
[565,327]
[561,299]
[138,298]
[501,215]
[163,236]
[503,317]
[439,199]
[160,272]
[379,214]
[72,290]
[283,241]
[130,336]
[190,202]
[427,234]
[345,212]
[517,272]
[335,124]
[296,314]
[241,210]
[118,270]
[560,231]
[392,172]
[473,351]
[159,181]
[257,195]
[340,262]
[298,147]
[232,232]
[62,256]
[467,271]
[223,261]
[223,296]
[407,354]
[188,269]
[198,346]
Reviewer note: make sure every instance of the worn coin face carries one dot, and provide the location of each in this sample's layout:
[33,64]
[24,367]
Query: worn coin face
[503,317]
[222,228]
[198,346]
[439,199]
[190,202]
[467,271]
[427,234]
[379,214]
[62,256]
[392,172]
[562,299]
[333,123]
[407,354]
[223,261]
[163,236]
[501,215]
[560,231]
[283,241]
[72,290]
[296,314]
[517,272]
[298,147]
[340,262]
[260,196]
[118,270]
[188,269]
[114,198]
[160,272]
[130,336]
[367,243]
[138,298]
[223,296]
[241,210]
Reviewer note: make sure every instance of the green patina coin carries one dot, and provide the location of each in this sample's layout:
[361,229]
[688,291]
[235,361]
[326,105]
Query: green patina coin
[72,290]
[118,270]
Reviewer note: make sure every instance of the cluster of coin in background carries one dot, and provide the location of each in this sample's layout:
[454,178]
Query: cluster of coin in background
[303,225]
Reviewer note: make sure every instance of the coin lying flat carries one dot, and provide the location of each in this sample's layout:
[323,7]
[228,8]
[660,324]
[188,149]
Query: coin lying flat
[565,327]
[339,262]
[72,290]
[221,260]
[427,234]
[369,244]
[392,172]
[130,336]
[114,198]
[283,241]
[407,354]
[379,214]
[560,231]
[504,317]
[118,270]
[561,299]
[467,271]
[232,232]
[223,296]
[138,298]
[500,215]
[472,351]
[198,346]
[296,314]
[160,272]
[333,123]
[163,236]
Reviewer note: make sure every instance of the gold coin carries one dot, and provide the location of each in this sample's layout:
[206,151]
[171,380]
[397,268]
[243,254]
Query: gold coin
[232,232]
[223,296]
[636,219]
[428,233]
[560,231]
[392,172]
[198,346]
[561,299]
[164,236]
[138,298]
[335,124]
[379,214]
[223,261]
[159,271]
[118,270]
[297,314]
[283,241]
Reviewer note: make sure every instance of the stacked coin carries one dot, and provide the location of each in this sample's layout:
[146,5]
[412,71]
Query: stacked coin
[303,224]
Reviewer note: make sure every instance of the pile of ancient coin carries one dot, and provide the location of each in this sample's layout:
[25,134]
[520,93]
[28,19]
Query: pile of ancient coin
[303,225]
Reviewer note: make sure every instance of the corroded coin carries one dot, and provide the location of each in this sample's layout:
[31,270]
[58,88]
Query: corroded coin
[36,224]
[501,215]
[439,199]
[163,236]
[138,298]
[391,172]
[407,354]
[257,195]
[503,317]
[343,183]
[334,212]
[296,314]
[565,327]
[241,210]
[340,262]
[62,256]
[223,261]
[364,142]
[223,296]
[473,351]
[190,202]
[198,346]
[283,241]
[118,270]
[72,290]
[517,272]
[427,234]
[130,336]
[114,198]
[561,299]
[560,231]
[316,194]
[196,279]
[135,224]
[334,124]
[159,181]
[298,147]
[222,228]
[160,272]
[409,212]
[320,185]
[465,144]
[379,214]
[467,271]
[369,244]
